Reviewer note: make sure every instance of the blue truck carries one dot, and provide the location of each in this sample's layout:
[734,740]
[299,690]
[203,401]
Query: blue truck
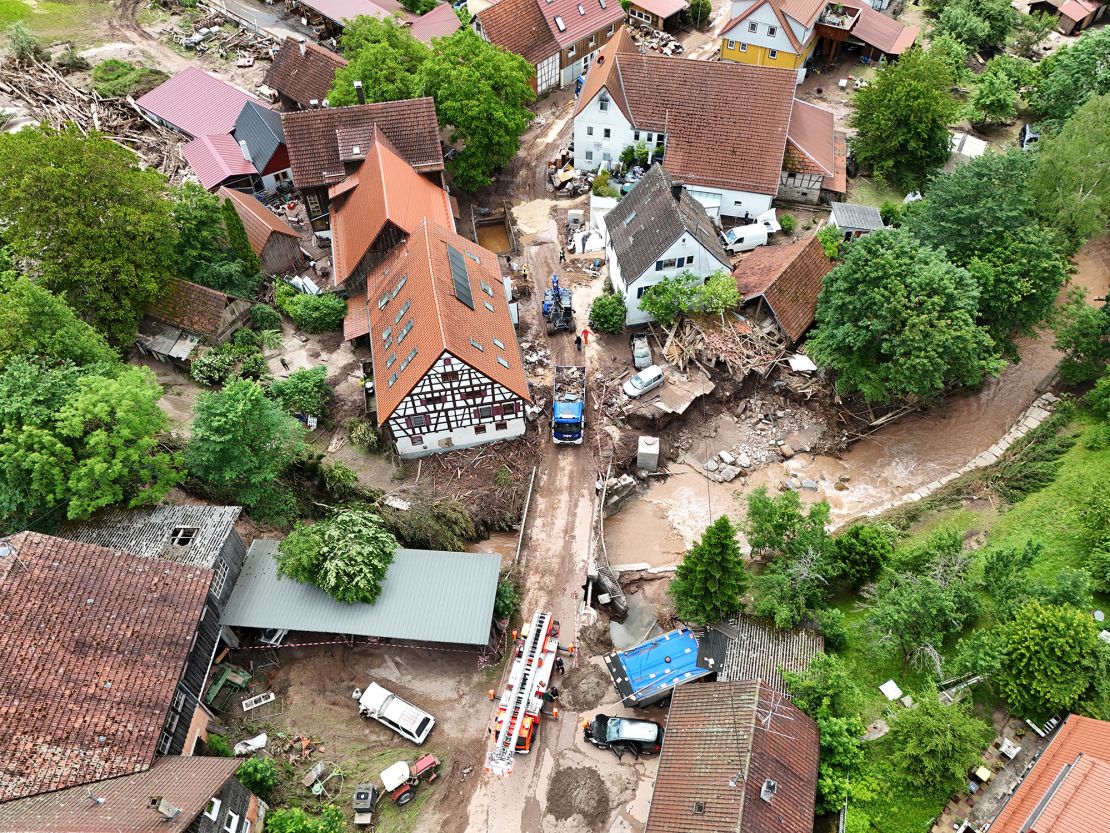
[558,307]
[568,405]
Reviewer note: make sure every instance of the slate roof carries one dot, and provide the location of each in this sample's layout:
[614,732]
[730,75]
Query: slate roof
[1078,737]
[789,279]
[316,151]
[726,123]
[93,643]
[185,783]
[848,215]
[648,220]
[307,77]
[259,221]
[438,23]
[440,321]
[427,596]
[216,159]
[260,128]
[757,650]
[196,103]
[191,307]
[519,26]
[739,730]
[385,188]
[147,532]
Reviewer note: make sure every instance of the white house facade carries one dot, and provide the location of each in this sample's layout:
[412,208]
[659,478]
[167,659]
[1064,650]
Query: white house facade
[454,406]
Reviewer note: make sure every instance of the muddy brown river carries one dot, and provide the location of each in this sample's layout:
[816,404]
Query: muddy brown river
[893,462]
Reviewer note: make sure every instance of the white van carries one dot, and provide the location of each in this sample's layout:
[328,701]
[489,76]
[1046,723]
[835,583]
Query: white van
[399,715]
[647,379]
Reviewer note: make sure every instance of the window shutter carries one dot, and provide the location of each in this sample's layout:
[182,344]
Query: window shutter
[497,410]
[408,422]
[477,413]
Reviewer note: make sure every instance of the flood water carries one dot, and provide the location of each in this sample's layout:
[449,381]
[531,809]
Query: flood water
[894,461]
[494,238]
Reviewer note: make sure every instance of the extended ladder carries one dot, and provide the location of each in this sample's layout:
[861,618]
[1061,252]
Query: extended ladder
[500,760]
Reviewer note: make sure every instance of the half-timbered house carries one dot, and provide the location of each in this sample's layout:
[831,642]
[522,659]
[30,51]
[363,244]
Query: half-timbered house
[448,372]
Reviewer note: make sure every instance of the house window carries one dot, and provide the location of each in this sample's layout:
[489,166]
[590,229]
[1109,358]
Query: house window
[636,135]
[418,421]
[179,697]
[389,362]
[581,10]
[571,51]
[603,102]
[164,743]
[433,400]
[606,156]
[589,155]
[400,285]
[485,412]
[474,393]
[404,331]
[231,823]
[392,380]
[246,826]
[220,578]
[669,263]
[590,130]
[213,809]
[791,176]
[386,333]
[479,429]
[743,47]
[560,23]
[509,410]
[182,536]
[606,133]
[732,44]
[419,440]
[397,318]
[753,27]
[449,376]
[772,31]
[611,30]
[171,724]
[649,137]
[774,53]
[593,42]
[486,288]
[501,426]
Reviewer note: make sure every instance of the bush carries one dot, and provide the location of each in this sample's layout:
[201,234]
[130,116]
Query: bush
[891,213]
[419,6]
[69,61]
[218,747]
[116,79]
[311,313]
[607,313]
[601,186]
[362,434]
[276,505]
[788,223]
[636,154]
[212,367]
[264,317]
[831,622]
[831,239]
[253,366]
[507,601]
[306,391]
[341,480]
[446,525]
[296,820]
[259,775]
[25,46]
[861,551]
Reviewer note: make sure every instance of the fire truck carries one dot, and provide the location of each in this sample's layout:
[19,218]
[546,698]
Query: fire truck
[527,691]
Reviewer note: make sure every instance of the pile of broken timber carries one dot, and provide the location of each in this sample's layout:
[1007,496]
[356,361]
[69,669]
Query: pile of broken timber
[736,342]
[49,98]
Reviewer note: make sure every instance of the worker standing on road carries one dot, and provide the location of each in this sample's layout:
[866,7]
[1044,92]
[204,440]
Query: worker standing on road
[560,666]
[578,343]
[585,336]
[562,255]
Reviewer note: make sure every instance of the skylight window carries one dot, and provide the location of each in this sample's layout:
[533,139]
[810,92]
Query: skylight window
[559,22]
[392,379]
[460,277]
[387,333]
[477,345]
[408,358]
[486,288]
[404,331]
[487,305]
[401,314]
[389,362]
[473,257]
[499,343]
[630,218]
[399,286]
[581,11]
[382,301]
[502,362]
[601,3]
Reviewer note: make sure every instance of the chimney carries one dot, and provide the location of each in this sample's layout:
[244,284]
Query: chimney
[676,189]
[358,91]
[303,48]
[246,151]
[313,103]
[768,790]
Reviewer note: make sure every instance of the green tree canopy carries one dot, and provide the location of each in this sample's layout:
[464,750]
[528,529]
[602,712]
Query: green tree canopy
[242,441]
[35,322]
[1072,182]
[607,313]
[860,552]
[1069,76]
[994,99]
[305,391]
[777,524]
[1030,32]
[689,294]
[977,23]
[238,242]
[384,56]
[711,580]
[901,119]
[896,320]
[828,683]
[481,92]
[89,221]
[296,820]
[935,745]
[204,251]
[1083,334]
[346,555]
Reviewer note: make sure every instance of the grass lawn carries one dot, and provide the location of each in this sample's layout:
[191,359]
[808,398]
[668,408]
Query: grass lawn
[52,20]
[871,190]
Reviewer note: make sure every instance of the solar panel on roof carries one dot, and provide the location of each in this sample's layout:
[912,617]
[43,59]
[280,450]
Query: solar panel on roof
[460,277]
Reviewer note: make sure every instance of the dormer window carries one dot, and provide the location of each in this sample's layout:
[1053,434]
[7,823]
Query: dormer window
[581,10]
[559,22]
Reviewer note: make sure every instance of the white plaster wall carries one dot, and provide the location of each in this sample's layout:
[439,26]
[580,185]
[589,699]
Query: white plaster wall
[462,438]
[620,134]
[687,245]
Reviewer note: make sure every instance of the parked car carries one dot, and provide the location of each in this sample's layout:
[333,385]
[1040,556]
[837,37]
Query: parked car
[641,350]
[402,717]
[646,380]
[1029,136]
[622,734]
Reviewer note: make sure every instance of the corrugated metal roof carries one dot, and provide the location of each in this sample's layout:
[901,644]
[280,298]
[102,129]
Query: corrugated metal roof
[427,596]
[757,650]
[215,159]
[196,103]
[260,128]
[848,215]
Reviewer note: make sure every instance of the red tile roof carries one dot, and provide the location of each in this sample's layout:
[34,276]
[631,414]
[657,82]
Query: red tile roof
[880,31]
[93,643]
[743,731]
[192,307]
[384,189]
[581,18]
[803,11]
[1078,736]
[662,8]
[259,221]
[838,182]
[789,278]
[519,26]
[811,133]
[197,103]
[215,159]
[438,23]
[307,77]
[440,320]
[315,138]
[185,783]
[1080,802]
[357,320]
[603,73]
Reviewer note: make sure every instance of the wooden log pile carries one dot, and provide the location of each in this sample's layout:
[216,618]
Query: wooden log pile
[50,98]
[740,344]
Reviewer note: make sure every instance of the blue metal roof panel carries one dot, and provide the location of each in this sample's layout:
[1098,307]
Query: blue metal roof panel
[647,672]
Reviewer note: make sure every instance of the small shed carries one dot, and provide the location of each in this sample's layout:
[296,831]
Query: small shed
[855,220]
[276,243]
[186,315]
[757,650]
[427,596]
[658,14]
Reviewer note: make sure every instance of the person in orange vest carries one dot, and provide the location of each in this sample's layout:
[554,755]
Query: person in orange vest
[585,336]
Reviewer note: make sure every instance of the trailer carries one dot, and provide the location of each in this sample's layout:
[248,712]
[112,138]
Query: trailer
[527,689]
[568,405]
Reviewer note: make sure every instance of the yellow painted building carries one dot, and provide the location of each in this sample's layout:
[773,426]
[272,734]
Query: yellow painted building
[771,33]
[763,56]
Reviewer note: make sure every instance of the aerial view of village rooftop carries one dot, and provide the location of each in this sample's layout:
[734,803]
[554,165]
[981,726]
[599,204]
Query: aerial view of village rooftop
[554,416]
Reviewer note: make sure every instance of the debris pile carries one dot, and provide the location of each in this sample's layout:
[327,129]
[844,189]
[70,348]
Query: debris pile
[568,181]
[738,343]
[646,36]
[49,98]
[536,356]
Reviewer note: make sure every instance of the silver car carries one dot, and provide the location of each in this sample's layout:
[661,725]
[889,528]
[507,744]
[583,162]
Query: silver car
[646,380]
